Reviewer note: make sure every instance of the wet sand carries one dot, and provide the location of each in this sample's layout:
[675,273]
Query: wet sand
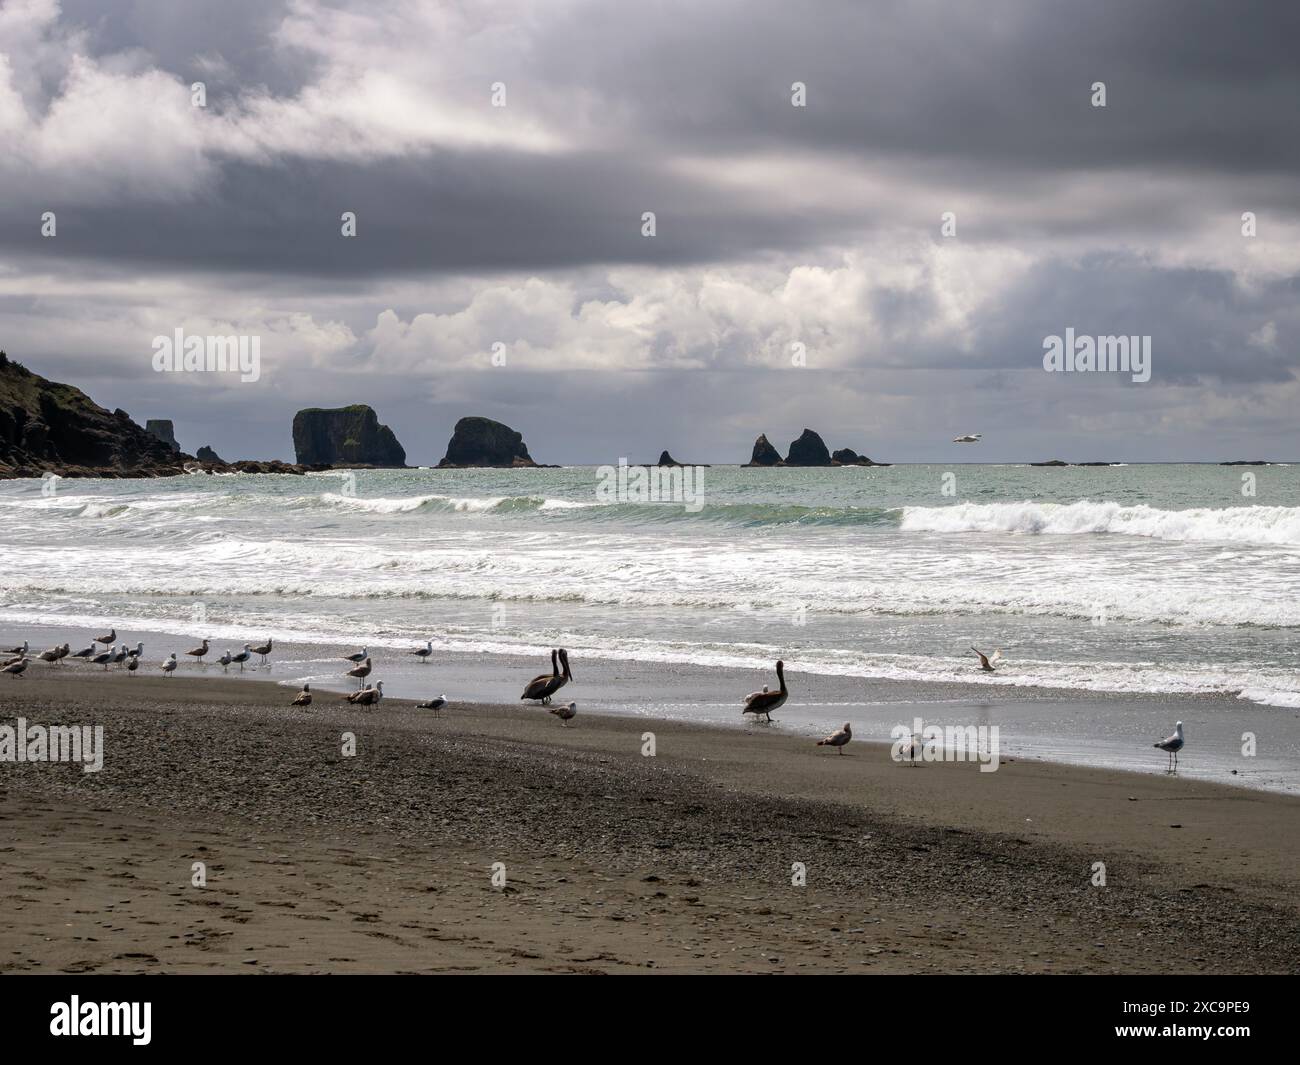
[613,861]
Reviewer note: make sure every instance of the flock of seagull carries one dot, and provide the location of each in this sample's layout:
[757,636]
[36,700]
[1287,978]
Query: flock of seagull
[539,690]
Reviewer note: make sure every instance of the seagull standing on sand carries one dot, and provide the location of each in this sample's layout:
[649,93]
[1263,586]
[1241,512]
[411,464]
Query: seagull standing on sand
[54,654]
[15,669]
[765,702]
[169,667]
[108,639]
[433,704]
[423,653]
[838,738]
[1172,745]
[139,650]
[104,657]
[987,663]
[225,661]
[360,656]
[361,672]
[303,698]
[198,652]
[132,664]
[85,652]
[264,650]
[120,657]
[243,657]
[907,750]
[565,713]
[19,651]
[367,696]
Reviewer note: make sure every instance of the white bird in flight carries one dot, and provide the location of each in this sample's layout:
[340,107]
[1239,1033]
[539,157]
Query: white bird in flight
[969,438]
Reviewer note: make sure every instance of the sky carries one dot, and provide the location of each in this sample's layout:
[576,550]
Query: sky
[500,159]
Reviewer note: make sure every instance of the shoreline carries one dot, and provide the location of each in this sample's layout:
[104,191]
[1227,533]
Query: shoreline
[680,862]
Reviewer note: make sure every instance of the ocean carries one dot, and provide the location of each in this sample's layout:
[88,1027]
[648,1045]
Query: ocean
[1141,580]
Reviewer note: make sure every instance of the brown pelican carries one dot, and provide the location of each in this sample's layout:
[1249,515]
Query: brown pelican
[535,689]
[361,672]
[225,661]
[169,667]
[433,704]
[367,696]
[242,657]
[19,651]
[264,650]
[303,698]
[837,738]
[15,669]
[1172,745]
[423,653]
[110,638]
[565,713]
[200,651]
[987,663]
[360,656]
[104,657]
[765,702]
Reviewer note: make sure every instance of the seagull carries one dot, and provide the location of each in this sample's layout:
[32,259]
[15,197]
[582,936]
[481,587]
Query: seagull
[243,657]
[908,748]
[13,659]
[15,669]
[19,651]
[367,696]
[120,657]
[432,704]
[1172,745]
[200,651]
[361,672]
[837,738]
[765,702]
[264,650]
[112,635]
[969,438]
[424,652]
[303,698]
[104,657]
[169,667]
[139,650]
[132,663]
[987,663]
[360,656]
[565,713]
[225,661]
[63,650]
[54,654]
[85,652]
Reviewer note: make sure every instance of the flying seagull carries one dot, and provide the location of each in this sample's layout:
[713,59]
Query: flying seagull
[987,663]
[1172,745]
[969,438]
[838,738]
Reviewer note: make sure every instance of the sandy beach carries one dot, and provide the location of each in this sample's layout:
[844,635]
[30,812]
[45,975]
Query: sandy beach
[612,861]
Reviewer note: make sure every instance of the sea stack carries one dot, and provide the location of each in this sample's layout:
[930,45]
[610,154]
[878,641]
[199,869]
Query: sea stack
[483,442]
[164,430]
[206,454]
[764,453]
[666,459]
[808,450]
[345,436]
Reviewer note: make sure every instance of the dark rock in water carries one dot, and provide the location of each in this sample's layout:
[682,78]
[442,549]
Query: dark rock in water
[808,450]
[1247,462]
[47,427]
[666,459]
[1053,462]
[206,454]
[345,436]
[164,430]
[846,456]
[273,466]
[483,442]
[764,453]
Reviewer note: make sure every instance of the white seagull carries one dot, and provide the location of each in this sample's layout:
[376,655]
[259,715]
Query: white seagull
[360,656]
[225,661]
[19,651]
[169,667]
[139,650]
[243,657]
[433,704]
[565,713]
[1172,745]
[423,653]
[838,738]
[104,657]
[969,438]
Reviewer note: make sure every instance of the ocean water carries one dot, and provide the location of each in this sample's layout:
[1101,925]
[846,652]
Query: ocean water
[1144,579]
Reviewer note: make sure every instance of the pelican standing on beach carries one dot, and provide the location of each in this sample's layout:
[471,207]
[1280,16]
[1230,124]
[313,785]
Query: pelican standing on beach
[303,698]
[243,657]
[565,713]
[361,672]
[15,669]
[537,687]
[432,704]
[1171,745]
[264,650]
[765,702]
[197,653]
[987,663]
[838,739]
[423,653]
[169,667]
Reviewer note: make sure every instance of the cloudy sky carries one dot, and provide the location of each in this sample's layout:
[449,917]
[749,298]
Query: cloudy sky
[776,225]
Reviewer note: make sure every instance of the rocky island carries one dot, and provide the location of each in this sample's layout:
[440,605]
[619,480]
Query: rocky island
[345,436]
[483,442]
[808,450]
